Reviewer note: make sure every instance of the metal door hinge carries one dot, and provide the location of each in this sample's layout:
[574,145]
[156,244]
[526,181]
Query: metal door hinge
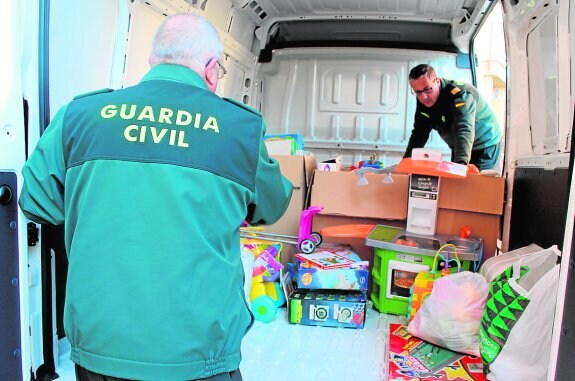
[33,234]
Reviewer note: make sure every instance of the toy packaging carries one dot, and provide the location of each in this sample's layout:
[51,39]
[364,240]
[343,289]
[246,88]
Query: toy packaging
[335,279]
[330,164]
[412,359]
[334,267]
[328,308]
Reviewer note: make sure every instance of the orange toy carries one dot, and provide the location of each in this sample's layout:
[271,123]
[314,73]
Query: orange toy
[423,283]
[421,289]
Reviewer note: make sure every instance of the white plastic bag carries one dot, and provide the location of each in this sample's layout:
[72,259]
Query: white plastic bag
[494,266]
[516,328]
[450,317]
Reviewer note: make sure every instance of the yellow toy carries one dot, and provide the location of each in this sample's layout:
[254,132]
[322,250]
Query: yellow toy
[266,294]
[423,283]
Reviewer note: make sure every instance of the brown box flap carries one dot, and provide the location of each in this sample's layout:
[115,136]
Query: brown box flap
[476,193]
[296,168]
[339,194]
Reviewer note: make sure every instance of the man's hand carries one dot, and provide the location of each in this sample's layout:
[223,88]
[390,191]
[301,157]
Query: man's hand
[472,169]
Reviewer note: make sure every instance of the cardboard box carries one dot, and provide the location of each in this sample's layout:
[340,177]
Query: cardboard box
[298,170]
[477,202]
[476,193]
[340,195]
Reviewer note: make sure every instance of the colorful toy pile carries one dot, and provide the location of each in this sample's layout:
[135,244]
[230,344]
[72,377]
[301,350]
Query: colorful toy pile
[265,295]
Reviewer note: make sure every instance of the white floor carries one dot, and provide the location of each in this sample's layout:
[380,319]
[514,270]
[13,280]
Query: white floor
[279,351]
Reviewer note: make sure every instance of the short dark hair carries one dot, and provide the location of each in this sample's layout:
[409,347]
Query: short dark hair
[421,70]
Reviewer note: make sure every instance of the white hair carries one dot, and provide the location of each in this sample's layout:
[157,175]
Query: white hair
[186,39]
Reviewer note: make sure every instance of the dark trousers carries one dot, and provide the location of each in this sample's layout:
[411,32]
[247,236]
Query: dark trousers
[83,374]
[486,158]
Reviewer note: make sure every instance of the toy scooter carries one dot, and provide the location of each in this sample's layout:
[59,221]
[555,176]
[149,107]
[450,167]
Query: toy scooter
[306,240]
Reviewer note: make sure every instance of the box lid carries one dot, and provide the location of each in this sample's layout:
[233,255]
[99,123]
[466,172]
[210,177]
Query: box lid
[476,193]
[444,169]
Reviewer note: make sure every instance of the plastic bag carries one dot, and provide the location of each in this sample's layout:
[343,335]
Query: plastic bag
[494,266]
[450,317]
[516,328]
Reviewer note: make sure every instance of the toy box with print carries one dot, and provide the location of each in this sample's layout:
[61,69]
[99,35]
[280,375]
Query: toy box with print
[331,266]
[329,308]
[336,279]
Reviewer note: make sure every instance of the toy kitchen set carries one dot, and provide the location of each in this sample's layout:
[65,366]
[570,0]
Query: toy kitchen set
[401,253]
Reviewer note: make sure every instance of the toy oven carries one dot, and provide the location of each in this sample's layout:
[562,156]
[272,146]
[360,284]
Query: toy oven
[400,278]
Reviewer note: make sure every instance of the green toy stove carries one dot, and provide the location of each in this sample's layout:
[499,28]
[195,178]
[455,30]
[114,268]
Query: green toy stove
[400,255]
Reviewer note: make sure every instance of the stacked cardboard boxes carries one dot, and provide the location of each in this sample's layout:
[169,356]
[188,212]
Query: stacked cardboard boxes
[475,202]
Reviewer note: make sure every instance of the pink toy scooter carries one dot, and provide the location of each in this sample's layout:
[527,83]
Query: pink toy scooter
[306,241]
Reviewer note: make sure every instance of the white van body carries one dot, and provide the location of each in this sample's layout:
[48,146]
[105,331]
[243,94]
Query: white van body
[333,71]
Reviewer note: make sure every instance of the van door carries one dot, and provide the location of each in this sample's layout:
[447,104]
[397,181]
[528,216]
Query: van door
[14,280]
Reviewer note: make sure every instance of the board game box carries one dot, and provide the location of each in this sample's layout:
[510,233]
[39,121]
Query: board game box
[412,359]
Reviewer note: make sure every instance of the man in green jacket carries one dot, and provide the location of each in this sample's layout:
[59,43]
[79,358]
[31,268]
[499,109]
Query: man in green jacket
[459,114]
[152,183]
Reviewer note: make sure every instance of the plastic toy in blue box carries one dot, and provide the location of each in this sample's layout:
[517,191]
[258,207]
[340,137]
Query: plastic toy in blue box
[329,308]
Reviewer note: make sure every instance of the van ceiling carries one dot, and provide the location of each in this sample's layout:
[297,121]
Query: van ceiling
[427,24]
[421,9]
[355,32]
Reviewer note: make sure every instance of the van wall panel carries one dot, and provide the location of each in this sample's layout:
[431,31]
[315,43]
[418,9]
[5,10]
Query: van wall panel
[82,47]
[346,101]
[218,12]
[144,22]
[543,86]
[241,29]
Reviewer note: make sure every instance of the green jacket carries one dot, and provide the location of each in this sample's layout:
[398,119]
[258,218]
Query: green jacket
[461,117]
[152,183]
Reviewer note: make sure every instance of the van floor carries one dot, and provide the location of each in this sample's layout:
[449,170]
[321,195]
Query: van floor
[281,351]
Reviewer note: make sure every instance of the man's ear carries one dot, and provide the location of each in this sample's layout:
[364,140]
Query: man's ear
[211,74]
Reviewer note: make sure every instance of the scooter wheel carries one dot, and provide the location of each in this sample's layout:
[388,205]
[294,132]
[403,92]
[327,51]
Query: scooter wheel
[307,246]
[316,237]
